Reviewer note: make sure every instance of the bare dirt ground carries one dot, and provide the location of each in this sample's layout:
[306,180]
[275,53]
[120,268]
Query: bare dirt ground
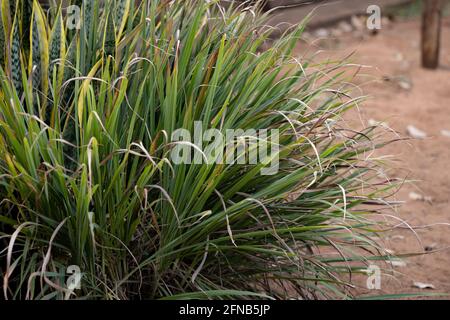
[402,94]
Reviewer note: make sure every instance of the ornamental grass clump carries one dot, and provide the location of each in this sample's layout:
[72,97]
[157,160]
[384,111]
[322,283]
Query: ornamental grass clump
[93,203]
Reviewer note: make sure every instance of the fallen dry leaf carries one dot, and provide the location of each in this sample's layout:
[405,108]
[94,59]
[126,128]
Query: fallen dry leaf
[416,133]
[405,85]
[421,285]
[445,133]
[375,123]
[345,26]
[418,197]
[415,196]
[397,263]
[397,237]
[430,247]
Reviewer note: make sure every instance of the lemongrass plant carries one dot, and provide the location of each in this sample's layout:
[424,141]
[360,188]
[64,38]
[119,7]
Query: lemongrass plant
[87,179]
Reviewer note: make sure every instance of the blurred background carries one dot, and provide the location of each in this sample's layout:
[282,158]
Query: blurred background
[413,102]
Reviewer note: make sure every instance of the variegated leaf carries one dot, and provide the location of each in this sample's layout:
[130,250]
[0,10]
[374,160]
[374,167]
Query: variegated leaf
[122,11]
[110,37]
[40,54]
[14,56]
[2,44]
[57,47]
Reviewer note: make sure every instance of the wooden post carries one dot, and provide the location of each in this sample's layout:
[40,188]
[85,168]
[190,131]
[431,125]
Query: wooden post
[431,33]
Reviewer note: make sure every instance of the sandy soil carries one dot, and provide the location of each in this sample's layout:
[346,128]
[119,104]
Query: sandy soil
[402,94]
